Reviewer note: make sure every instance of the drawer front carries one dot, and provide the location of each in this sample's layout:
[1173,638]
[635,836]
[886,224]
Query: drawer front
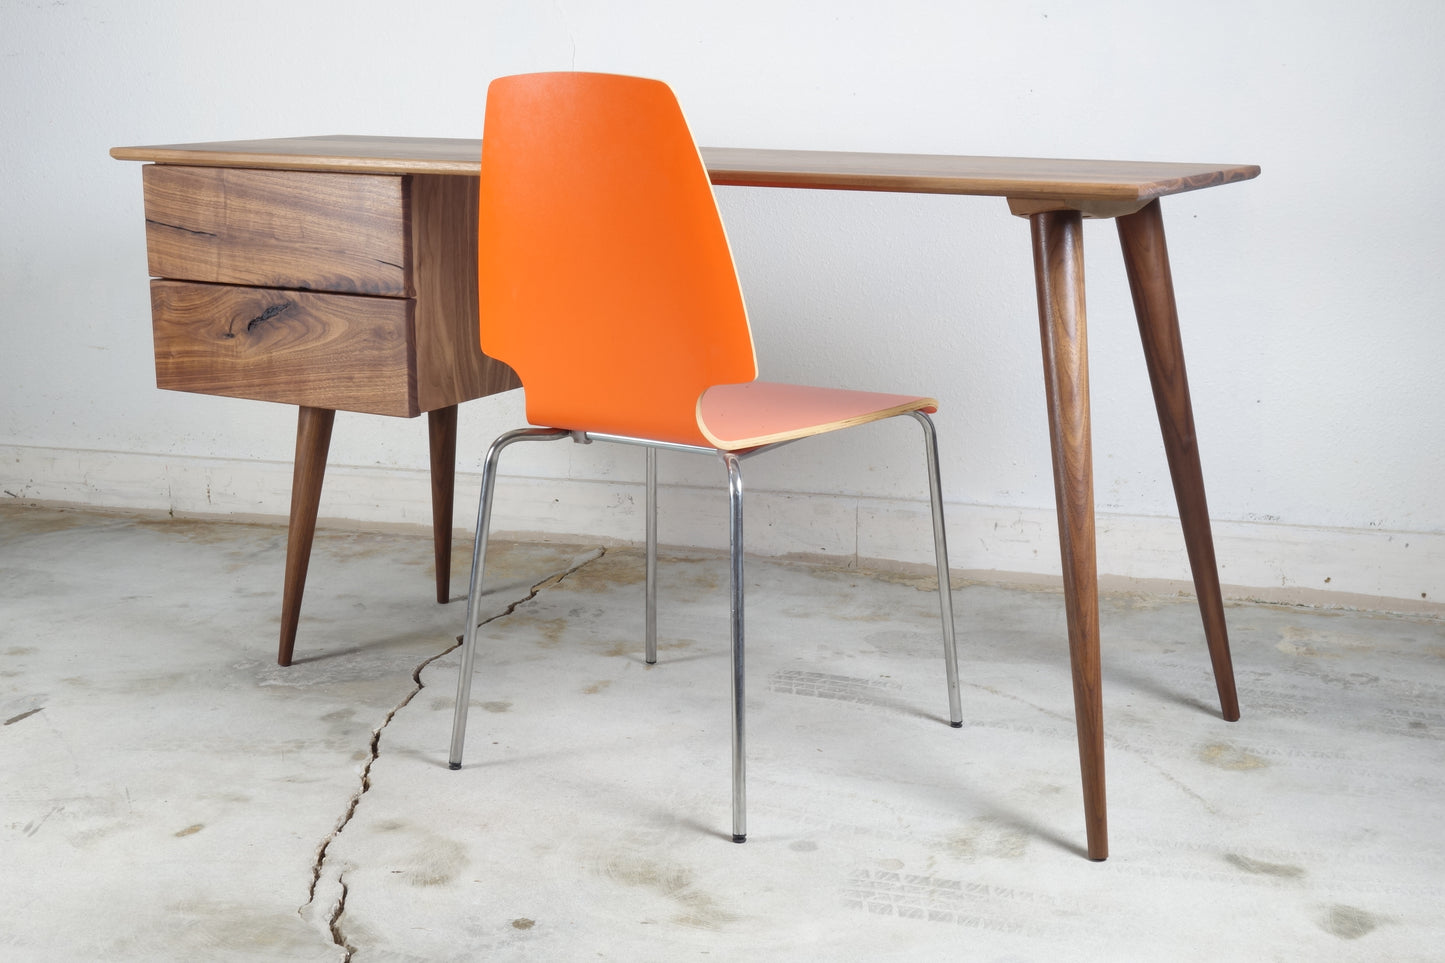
[346,233]
[335,351]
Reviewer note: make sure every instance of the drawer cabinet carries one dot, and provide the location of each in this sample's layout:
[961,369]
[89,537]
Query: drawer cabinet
[341,284]
[354,292]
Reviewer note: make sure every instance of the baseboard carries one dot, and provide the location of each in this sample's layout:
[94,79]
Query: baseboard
[1369,569]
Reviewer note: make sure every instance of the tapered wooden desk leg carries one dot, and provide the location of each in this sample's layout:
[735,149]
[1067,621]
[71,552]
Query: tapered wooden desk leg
[1059,272]
[442,430]
[313,440]
[1146,258]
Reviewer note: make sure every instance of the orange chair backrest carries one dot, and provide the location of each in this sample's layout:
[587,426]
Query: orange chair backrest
[605,277]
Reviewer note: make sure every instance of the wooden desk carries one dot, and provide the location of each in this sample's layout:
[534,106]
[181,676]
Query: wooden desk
[336,273]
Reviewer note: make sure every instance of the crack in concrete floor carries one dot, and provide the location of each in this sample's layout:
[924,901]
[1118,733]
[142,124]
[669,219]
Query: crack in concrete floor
[318,869]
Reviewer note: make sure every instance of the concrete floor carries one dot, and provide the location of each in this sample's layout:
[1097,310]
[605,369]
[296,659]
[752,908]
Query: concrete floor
[169,793]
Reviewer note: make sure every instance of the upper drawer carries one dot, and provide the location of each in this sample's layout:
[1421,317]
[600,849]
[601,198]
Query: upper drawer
[328,232]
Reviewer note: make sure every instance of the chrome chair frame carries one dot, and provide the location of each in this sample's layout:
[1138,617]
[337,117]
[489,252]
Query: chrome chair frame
[732,460]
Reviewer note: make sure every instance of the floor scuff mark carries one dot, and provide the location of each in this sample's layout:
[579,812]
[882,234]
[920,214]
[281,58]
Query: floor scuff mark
[338,909]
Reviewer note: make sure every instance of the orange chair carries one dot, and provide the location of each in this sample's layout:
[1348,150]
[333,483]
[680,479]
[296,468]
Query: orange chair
[607,283]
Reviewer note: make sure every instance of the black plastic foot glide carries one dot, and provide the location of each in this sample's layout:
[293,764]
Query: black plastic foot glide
[740,839]
[454,765]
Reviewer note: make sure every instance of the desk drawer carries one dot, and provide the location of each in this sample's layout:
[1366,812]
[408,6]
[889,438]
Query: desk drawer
[347,233]
[297,347]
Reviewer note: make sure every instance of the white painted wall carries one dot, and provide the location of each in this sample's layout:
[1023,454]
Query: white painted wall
[1310,297]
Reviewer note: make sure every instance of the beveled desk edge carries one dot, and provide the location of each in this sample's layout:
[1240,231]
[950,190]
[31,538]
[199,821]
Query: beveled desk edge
[1020,178]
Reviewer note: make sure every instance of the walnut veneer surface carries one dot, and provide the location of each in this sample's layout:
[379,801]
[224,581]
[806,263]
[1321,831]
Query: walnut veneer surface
[1025,178]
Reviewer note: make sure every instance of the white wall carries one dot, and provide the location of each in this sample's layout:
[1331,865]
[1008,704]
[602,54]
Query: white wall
[1310,297]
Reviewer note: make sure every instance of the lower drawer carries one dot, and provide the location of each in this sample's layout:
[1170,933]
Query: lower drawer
[340,351]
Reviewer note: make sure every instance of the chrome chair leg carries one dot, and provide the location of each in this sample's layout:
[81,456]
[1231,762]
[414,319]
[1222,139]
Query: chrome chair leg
[940,551]
[735,539]
[651,640]
[474,590]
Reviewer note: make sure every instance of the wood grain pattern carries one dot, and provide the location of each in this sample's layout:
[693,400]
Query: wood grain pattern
[1146,261]
[329,152]
[1059,274]
[282,229]
[1024,178]
[313,441]
[1013,177]
[397,236]
[450,365]
[442,443]
[296,347]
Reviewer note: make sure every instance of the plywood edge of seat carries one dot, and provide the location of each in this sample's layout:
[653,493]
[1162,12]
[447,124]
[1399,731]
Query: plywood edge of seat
[757,413]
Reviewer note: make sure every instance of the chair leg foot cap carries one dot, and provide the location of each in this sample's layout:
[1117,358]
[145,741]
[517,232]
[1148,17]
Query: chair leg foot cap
[740,839]
[956,725]
[454,765]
